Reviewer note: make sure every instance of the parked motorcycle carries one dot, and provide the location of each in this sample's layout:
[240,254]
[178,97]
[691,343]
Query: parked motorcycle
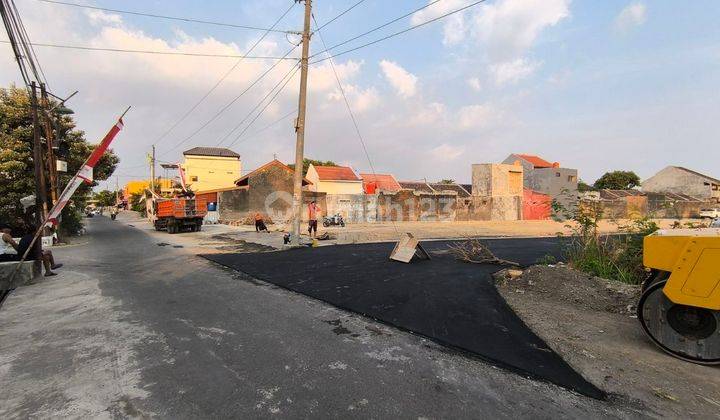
[336,220]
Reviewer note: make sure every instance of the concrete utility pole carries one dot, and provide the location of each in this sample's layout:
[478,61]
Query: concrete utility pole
[152,170]
[300,128]
[40,188]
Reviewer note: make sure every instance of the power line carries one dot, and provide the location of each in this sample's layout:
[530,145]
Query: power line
[121,50]
[284,117]
[393,34]
[377,28]
[349,108]
[229,104]
[264,108]
[209,92]
[291,70]
[340,15]
[182,19]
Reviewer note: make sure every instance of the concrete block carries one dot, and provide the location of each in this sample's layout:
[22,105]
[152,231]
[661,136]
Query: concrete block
[27,273]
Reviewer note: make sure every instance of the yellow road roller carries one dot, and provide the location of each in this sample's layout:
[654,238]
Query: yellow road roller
[680,304]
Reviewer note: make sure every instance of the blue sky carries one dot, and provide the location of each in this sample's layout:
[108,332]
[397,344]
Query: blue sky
[594,85]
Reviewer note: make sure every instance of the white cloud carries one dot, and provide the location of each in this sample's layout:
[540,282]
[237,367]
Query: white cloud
[474,84]
[510,27]
[513,71]
[446,152]
[98,17]
[631,16]
[404,82]
[454,27]
[477,116]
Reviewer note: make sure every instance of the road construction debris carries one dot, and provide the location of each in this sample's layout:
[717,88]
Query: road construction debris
[475,252]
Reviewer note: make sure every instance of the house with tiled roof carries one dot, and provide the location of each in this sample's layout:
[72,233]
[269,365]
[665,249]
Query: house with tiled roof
[373,183]
[210,168]
[334,179]
[680,180]
[546,177]
[419,186]
[443,187]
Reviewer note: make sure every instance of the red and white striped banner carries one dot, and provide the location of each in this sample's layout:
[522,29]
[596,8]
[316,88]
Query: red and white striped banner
[85,174]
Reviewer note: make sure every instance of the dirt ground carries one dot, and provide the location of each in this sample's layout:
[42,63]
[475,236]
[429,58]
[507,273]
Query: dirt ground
[591,322]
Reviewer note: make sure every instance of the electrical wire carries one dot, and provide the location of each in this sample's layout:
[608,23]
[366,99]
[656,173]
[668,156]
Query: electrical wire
[393,34]
[340,15]
[206,95]
[182,19]
[121,50]
[377,28]
[292,70]
[239,137]
[228,105]
[350,112]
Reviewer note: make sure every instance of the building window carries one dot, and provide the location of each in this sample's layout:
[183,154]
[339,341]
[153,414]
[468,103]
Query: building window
[211,172]
[571,178]
[557,174]
[193,178]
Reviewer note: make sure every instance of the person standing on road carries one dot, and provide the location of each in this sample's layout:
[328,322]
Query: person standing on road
[313,211]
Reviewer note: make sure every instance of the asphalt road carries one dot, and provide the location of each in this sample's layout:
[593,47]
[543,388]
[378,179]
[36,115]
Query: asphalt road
[132,329]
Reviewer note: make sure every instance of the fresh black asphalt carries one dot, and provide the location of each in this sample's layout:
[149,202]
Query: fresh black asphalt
[451,302]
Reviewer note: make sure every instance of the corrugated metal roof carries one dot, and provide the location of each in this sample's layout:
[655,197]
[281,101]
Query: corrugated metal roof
[416,186]
[211,151]
[439,187]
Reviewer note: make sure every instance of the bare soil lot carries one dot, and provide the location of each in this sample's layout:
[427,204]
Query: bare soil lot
[591,323]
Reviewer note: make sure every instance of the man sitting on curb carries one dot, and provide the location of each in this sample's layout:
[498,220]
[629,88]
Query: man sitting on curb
[35,253]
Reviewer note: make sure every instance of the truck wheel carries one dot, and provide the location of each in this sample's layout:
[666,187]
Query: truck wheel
[198,227]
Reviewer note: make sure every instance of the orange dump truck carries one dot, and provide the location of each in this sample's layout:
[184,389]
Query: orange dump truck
[177,214]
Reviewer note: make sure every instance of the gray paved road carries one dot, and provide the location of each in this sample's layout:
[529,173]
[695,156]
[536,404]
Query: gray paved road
[132,329]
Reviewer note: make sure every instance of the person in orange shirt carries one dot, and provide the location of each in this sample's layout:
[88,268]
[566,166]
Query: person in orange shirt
[313,211]
[260,223]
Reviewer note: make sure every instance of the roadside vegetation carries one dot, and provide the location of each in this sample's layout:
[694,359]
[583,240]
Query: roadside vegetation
[614,257]
[17,168]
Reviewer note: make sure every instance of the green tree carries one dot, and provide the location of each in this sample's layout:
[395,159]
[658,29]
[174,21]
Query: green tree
[307,162]
[105,198]
[584,186]
[16,163]
[617,180]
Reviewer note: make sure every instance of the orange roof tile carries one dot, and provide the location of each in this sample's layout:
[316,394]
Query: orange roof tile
[536,161]
[384,182]
[336,173]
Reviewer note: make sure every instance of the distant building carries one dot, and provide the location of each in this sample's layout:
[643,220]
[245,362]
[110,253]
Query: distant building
[542,176]
[443,187]
[419,186]
[462,190]
[210,168]
[373,183]
[679,180]
[501,186]
[138,186]
[334,180]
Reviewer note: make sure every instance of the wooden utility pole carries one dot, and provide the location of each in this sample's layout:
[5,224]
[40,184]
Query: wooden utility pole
[40,188]
[51,163]
[152,170]
[300,127]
